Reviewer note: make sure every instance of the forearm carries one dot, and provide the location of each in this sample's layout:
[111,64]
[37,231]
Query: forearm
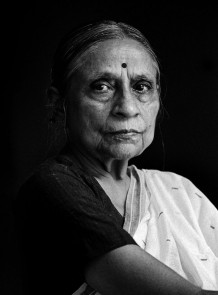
[130,270]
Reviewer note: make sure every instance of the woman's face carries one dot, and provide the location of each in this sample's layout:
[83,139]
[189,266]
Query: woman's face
[113,100]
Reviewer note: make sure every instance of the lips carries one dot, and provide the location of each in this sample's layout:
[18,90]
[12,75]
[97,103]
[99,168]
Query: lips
[124,135]
[124,131]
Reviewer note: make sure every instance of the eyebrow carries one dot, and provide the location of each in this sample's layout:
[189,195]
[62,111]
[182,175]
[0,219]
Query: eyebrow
[111,76]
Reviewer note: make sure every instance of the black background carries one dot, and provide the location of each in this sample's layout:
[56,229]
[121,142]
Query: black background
[184,37]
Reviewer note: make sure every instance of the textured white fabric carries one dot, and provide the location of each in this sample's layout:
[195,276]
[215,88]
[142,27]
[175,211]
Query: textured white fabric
[175,222]
[178,224]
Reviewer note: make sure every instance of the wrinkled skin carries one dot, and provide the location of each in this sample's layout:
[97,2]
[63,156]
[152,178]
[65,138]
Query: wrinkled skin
[111,110]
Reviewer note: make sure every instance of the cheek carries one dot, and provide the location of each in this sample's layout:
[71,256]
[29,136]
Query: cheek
[94,117]
[88,119]
[150,115]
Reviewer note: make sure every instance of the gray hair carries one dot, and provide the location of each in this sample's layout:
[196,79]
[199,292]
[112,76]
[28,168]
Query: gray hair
[78,41]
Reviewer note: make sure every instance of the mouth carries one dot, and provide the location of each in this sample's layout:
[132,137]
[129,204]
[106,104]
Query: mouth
[124,131]
[124,135]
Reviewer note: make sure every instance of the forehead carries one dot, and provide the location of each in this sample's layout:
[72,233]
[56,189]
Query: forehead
[109,55]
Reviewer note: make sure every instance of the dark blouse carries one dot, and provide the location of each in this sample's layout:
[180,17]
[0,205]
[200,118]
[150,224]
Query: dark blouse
[64,220]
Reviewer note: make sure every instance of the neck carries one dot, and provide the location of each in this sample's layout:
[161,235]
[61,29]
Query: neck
[98,167]
[116,168]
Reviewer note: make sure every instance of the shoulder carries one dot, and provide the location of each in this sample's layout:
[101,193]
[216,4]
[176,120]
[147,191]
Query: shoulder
[55,170]
[165,177]
[59,182]
[172,186]
[167,180]
[49,175]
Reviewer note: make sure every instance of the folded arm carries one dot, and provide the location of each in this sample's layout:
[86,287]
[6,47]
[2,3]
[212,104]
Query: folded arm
[130,270]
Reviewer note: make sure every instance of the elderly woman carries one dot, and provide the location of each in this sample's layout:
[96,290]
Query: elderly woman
[88,222]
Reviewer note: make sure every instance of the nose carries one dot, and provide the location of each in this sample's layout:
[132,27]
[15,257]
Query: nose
[126,105]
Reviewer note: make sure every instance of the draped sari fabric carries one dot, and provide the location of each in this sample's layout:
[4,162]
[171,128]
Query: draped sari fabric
[175,222]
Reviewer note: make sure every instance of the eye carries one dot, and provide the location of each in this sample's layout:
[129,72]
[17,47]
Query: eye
[142,87]
[101,90]
[100,87]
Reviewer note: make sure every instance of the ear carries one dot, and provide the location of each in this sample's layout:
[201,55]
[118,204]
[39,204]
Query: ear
[56,104]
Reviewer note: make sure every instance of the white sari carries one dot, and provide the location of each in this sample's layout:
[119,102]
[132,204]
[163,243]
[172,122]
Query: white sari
[172,220]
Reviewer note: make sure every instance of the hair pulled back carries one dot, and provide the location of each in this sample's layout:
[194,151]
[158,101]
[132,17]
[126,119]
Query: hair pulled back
[78,41]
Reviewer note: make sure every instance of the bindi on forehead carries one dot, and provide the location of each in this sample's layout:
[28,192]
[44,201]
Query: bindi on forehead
[124,65]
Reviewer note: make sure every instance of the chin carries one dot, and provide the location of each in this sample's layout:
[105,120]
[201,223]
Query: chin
[122,152]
